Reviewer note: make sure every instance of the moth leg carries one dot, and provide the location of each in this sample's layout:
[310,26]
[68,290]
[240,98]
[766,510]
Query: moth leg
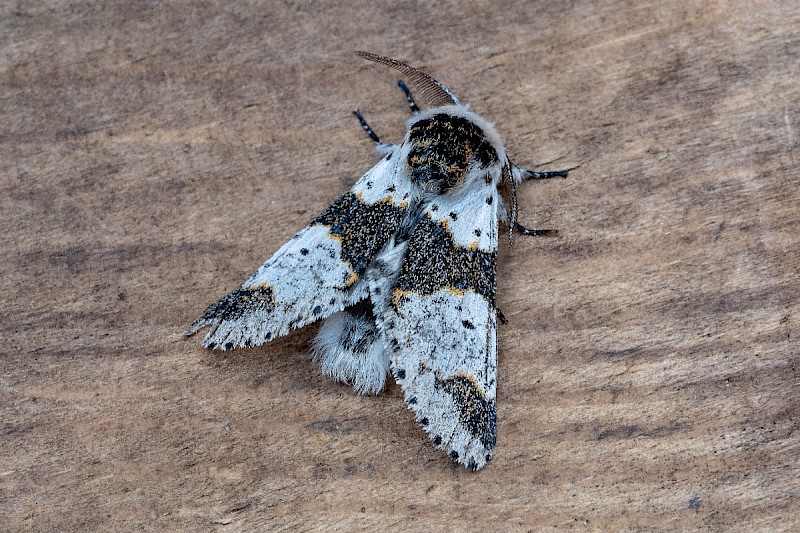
[411,103]
[534,232]
[530,174]
[380,146]
[367,128]
[350,349]
[501,317]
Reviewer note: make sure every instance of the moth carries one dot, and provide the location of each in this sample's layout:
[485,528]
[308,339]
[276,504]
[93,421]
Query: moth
[402,269]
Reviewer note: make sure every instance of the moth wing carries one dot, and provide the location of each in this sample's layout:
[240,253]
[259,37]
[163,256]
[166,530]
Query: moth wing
[317,272]
[441,323]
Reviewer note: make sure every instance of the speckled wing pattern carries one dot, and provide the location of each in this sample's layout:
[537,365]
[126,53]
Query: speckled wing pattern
[317,272]
[441,323]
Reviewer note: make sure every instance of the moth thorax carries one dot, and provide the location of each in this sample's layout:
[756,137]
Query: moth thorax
[443,149]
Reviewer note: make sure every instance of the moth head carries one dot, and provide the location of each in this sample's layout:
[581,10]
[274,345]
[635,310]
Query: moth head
[447,147]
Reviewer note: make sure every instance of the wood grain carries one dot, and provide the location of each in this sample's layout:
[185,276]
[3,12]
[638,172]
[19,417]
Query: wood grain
[154,154]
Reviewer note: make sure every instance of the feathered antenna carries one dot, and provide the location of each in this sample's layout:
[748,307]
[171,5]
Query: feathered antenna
[432,91]
[508,175]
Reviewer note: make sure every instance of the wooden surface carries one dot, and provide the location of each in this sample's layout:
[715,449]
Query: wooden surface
[152,155]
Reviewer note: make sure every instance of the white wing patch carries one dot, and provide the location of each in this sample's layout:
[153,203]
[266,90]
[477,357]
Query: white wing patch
[470,216]
[304,281]
[452,389]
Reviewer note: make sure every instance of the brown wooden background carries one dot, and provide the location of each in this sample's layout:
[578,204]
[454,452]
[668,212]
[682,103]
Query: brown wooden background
[152,155]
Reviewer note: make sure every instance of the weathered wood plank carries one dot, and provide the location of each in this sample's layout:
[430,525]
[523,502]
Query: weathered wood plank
[153,155]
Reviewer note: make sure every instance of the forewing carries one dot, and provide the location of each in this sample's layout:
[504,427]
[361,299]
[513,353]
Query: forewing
[316,273]
[441,323]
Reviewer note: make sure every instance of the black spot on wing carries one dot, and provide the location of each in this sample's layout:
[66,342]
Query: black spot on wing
[475,412]
[363,228]
[434,262]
